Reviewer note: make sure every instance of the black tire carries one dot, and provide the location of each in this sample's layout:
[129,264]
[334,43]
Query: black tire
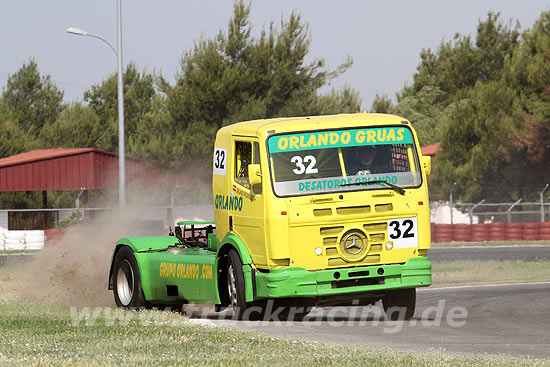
[127,281]
[242,310]
[399,304]
[256,310]
[235,284]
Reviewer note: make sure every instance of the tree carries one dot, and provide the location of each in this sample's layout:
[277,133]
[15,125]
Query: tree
[459,64]
[77,126]
[381,104]
[477,145]
[345,100]
[12,140]
[447,75]
[235,77]
[425,111]
[32,99]
[529,73]
[158,141]
[463,96]
[29,102]
[139,94]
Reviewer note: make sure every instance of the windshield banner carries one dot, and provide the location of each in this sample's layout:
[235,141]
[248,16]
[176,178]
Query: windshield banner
[355,182]
[340,138]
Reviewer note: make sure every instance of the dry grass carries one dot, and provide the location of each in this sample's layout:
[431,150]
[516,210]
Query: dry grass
[44,335]
[468,272]
[36,332]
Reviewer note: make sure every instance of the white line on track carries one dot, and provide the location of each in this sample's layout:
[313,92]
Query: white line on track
[479,286]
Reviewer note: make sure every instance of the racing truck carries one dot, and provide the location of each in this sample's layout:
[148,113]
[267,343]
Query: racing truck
[301,220]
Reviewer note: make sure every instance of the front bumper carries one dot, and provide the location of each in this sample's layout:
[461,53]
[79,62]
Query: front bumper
[299,282]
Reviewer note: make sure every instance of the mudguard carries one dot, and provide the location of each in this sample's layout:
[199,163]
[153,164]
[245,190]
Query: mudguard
[141,244]
[233,240]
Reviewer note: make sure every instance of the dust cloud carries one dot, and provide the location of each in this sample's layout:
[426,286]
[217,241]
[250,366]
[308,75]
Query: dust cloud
[74,270]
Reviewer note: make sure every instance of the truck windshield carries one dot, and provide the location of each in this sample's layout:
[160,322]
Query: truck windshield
[328,161]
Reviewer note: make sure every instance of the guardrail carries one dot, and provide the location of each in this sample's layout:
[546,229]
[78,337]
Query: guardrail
[497,231]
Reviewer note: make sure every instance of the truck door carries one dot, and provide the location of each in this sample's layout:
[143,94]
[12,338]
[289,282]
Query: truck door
[248,222]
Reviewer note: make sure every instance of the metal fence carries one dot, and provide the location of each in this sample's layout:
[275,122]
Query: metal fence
[441,212]
[482,212]
[452,212]
[160,216]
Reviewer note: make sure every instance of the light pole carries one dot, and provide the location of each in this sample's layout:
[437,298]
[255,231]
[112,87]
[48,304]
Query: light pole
[451,200]
[542,203]
[120,97]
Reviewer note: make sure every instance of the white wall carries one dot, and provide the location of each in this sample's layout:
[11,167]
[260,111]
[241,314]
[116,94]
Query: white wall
[440,212]
[3,219]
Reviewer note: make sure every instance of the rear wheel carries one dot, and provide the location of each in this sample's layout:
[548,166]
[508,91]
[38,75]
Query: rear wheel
[126,280]
[399,304]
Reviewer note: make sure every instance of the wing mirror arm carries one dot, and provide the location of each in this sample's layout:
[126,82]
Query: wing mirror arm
[254,174]
[427,164]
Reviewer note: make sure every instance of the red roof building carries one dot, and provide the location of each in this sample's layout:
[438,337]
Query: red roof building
[431,150]
[75,169]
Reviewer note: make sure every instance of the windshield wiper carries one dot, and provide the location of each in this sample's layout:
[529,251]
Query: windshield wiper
[395,187]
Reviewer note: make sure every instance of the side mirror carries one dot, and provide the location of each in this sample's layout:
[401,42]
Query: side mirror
[254,174]
[427,164]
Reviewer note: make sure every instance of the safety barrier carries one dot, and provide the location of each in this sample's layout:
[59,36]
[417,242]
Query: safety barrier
[22,240]
[497,231]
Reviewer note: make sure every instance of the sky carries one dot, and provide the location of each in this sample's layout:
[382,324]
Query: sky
[384,38]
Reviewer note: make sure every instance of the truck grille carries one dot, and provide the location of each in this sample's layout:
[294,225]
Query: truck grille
[375,234]
[351,233]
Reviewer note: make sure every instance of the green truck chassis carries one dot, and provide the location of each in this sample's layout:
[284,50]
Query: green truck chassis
[168,271]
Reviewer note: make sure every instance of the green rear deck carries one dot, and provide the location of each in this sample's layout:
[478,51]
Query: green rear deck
[191,276]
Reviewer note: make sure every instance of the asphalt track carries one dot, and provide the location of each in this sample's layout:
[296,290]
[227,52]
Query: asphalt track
[497,319]
[508,320]
[483,253]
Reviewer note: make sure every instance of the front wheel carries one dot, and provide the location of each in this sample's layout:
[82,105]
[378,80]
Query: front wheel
[126,280]
[399,304]
[235,284]
[242,310]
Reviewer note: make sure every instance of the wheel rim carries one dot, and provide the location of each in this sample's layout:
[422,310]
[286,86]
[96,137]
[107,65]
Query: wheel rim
[125,282]
[232,286]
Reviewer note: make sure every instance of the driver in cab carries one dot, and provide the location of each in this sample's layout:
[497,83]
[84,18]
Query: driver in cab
[363,162]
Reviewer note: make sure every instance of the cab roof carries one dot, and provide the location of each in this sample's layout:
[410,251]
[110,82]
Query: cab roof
[289,124]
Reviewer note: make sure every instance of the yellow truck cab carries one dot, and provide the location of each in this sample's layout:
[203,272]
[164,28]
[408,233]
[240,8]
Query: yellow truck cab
[332,209]
[309,211]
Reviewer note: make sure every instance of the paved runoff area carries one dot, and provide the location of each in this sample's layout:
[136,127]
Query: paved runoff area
[497,319]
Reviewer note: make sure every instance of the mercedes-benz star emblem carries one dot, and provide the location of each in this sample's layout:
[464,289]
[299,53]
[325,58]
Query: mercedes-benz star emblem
[353,243]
